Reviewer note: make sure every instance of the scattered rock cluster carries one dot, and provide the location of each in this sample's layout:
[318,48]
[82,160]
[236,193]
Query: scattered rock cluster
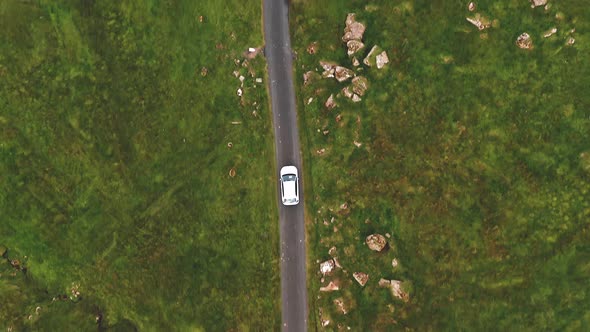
[524,40]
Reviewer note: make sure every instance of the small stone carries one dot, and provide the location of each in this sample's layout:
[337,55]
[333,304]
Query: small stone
[232,172]
[258,80]
[312,48]
[347,92]
[327,266]
[355,62]
[338,117]
[356,98]
[204,71]
[230,145]
[394,262]
[550,32]
[570,41]
[239,92]
[332,251]
[384,283]
[357,144]
[471,7]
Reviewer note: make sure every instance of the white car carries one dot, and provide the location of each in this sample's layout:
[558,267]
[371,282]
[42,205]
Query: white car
[289,185]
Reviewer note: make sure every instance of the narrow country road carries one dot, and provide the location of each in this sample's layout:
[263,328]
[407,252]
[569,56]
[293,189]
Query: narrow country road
[280,71]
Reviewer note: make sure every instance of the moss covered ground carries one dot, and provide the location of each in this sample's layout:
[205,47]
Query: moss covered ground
[475,158]
[115,119]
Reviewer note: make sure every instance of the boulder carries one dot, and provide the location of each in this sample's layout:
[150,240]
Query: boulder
[353,29]
[524,41]
[538,3]
[381,60]
[330,288]
[359,85]
[327,267]
[361,278]
[376,242]
[330,103]
[354,46]
[342,73]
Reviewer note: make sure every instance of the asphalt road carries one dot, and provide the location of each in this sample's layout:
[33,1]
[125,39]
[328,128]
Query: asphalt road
[280,71]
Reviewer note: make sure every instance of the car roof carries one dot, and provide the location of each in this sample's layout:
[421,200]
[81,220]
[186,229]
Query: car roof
[289,189]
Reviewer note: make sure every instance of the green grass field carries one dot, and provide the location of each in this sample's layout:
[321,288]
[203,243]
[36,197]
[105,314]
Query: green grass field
[475,157]
[114,167]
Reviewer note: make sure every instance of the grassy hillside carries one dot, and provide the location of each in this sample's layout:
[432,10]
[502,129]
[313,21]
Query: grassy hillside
[116,119]
[475,158]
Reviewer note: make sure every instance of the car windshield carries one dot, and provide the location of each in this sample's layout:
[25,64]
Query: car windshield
[289,177]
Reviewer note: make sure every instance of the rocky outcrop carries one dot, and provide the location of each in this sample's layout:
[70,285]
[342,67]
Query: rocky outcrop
[353,30]
[376,242]
[342,73]
[361,278]
[330,287]
[524,41]
[327,267]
